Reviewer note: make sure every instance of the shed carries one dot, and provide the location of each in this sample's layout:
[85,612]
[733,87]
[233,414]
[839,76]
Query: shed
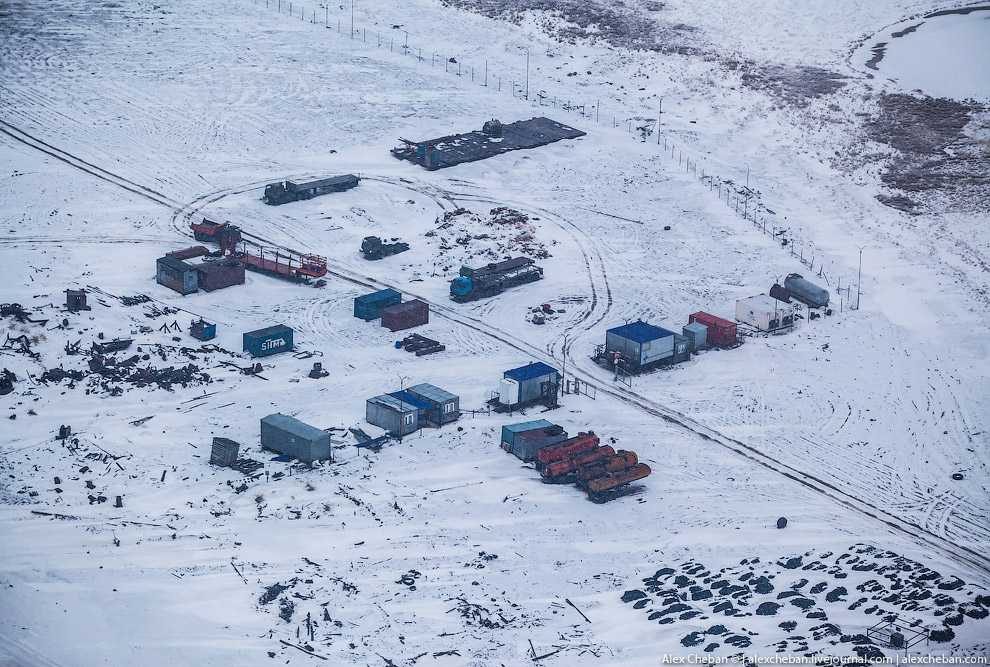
[698,333]
[224,452]
[533,382]
[369,307]
[405,315]
[202,330]
[397,412]
[720,331]
[765,313]
[525,439]
[286,435]
[444,406]
[641,344]
[178,275]
[270,340]
[75,300]
[217,275]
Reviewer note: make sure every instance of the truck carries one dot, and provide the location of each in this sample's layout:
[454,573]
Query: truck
[284,192]
[223,234]
[374,248]
[493,278]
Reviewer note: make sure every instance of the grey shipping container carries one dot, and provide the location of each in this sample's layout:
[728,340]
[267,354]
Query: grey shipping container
[270,340]
[369,307]
[405,315]
[807,292]
[444,406]
[224,452]
[217,275]
[176,274]
[286,435]
[698,333]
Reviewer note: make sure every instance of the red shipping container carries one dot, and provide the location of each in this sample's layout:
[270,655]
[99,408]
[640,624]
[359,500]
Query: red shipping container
[405,315]
[720,332]
[217,275]
[188,253]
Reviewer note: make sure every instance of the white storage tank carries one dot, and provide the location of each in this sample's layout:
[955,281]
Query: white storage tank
[508,391]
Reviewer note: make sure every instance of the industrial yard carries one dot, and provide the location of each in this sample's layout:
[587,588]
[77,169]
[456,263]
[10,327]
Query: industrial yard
[273,396]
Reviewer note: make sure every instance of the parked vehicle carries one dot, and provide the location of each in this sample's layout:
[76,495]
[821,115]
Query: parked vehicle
[373,248]
[289,191]
[493,278]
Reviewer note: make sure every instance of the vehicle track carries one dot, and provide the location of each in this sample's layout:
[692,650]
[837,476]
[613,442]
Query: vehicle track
[905,527]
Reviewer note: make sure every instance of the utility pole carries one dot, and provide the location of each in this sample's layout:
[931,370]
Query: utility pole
[747,174]
[659,114]
[352,33]
[402,417]
[860,278]
[527,73]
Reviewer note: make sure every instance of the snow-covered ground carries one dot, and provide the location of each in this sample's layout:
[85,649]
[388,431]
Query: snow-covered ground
[124,121]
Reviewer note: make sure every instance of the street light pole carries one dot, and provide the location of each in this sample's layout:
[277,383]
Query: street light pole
[747,174]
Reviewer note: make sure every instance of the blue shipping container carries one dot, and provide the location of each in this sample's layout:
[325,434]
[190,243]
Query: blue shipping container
[270,340]
[369,307]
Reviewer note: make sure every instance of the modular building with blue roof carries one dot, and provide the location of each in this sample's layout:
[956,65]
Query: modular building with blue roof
[398,412]
[533,382]
[640,344]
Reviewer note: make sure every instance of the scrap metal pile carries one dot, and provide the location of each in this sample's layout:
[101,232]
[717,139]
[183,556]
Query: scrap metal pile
[598,470]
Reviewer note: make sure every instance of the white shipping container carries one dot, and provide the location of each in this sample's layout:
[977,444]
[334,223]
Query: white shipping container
[764,312]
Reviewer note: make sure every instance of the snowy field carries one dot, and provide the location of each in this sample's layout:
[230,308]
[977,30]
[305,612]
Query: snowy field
[121,122]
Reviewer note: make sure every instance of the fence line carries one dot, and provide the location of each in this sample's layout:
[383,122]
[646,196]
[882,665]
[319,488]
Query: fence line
[752,204]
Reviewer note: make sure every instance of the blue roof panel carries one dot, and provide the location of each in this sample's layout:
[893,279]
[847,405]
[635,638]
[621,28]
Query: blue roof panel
[640,332]
[408,399]
[530,371]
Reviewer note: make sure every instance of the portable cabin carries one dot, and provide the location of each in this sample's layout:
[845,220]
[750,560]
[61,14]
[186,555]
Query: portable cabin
[270,340]
[286,435]
[178,275]
[698,333]
[765,313]
[217,275]
[444,406]
[224,452]
[369,307]
[405,315]
[639,343]
[806,291]
[75,300]
[720,331]
[533,382]
[398,412]
[525,439]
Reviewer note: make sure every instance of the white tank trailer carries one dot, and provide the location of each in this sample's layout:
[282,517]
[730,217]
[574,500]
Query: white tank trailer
[806,292]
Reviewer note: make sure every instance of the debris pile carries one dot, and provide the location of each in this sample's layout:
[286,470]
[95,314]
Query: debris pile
[465,237]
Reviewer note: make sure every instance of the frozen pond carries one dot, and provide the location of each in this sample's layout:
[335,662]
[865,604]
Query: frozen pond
[944,54]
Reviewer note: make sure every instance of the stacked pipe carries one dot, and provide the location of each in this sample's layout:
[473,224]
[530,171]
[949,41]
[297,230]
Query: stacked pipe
[597,469]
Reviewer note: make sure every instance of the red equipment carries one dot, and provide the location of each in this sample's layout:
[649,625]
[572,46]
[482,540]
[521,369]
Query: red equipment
[553,472]
[282,264]
[225,235]
[720,332]
[600,468]
[566,449]
[598,486]
[188,253]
